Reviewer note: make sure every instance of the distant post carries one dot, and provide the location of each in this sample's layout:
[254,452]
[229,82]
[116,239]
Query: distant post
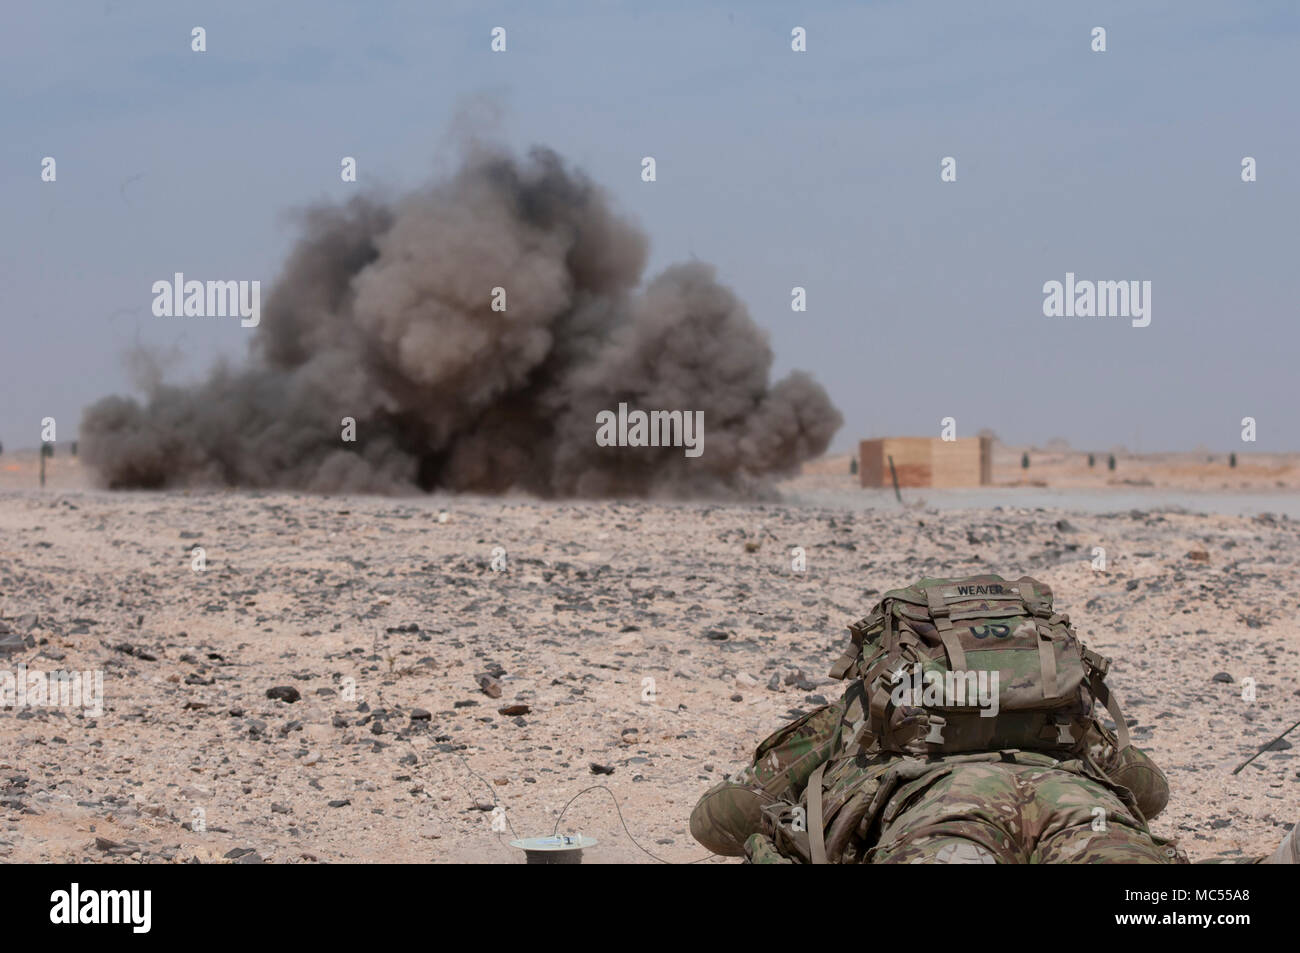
[47,450]
[1110,464]
[1232,459]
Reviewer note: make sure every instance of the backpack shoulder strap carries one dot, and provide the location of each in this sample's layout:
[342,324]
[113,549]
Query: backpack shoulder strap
[816,836]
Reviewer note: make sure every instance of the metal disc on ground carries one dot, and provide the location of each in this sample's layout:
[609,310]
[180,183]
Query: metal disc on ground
[556,849]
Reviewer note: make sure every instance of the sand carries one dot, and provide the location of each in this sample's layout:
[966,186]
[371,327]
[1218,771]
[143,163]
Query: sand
[660,641]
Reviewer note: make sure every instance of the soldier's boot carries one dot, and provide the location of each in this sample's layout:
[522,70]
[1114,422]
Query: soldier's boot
[1288,852]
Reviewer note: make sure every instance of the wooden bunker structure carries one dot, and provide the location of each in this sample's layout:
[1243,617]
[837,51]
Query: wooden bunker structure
[926,461]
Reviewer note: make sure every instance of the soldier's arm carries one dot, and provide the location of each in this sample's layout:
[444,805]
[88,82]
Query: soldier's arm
[731,811]
[783,763]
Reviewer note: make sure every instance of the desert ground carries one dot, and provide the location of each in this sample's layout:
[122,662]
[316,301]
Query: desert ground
[420,696]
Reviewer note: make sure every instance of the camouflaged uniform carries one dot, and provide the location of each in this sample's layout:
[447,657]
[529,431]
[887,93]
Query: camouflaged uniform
[995,807]
[890,775]
[879,778]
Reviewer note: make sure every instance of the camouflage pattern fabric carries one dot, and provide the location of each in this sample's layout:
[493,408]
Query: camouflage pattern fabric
[887,809]
[1011,814]
[1055,787]
[731,811]
[760,850]
[978,663]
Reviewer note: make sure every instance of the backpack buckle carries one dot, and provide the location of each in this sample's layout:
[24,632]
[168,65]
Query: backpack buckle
[939,609]
[935,737]
[1098,663]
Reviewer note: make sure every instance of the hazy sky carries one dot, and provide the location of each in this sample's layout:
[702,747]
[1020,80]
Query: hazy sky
[819,169]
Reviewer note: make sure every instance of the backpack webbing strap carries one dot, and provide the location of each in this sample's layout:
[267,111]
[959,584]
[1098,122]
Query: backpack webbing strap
[1098,667]
[956,654]
[878,701]
[857,634]
[1107,698]
[938,607]
[1098,663]
[1047,661]
[844,663]
[816,836]
[940,612]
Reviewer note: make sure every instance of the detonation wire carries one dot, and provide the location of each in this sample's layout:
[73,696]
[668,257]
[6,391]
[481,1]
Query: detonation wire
[420,761]
[619,812]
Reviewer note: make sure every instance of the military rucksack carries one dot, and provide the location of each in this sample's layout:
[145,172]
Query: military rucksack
[975,664]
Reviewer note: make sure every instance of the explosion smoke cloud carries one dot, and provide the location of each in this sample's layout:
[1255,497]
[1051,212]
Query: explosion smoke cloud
[383,313]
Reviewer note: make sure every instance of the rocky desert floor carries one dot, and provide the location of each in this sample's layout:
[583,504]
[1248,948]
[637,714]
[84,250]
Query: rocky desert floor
[361,679]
